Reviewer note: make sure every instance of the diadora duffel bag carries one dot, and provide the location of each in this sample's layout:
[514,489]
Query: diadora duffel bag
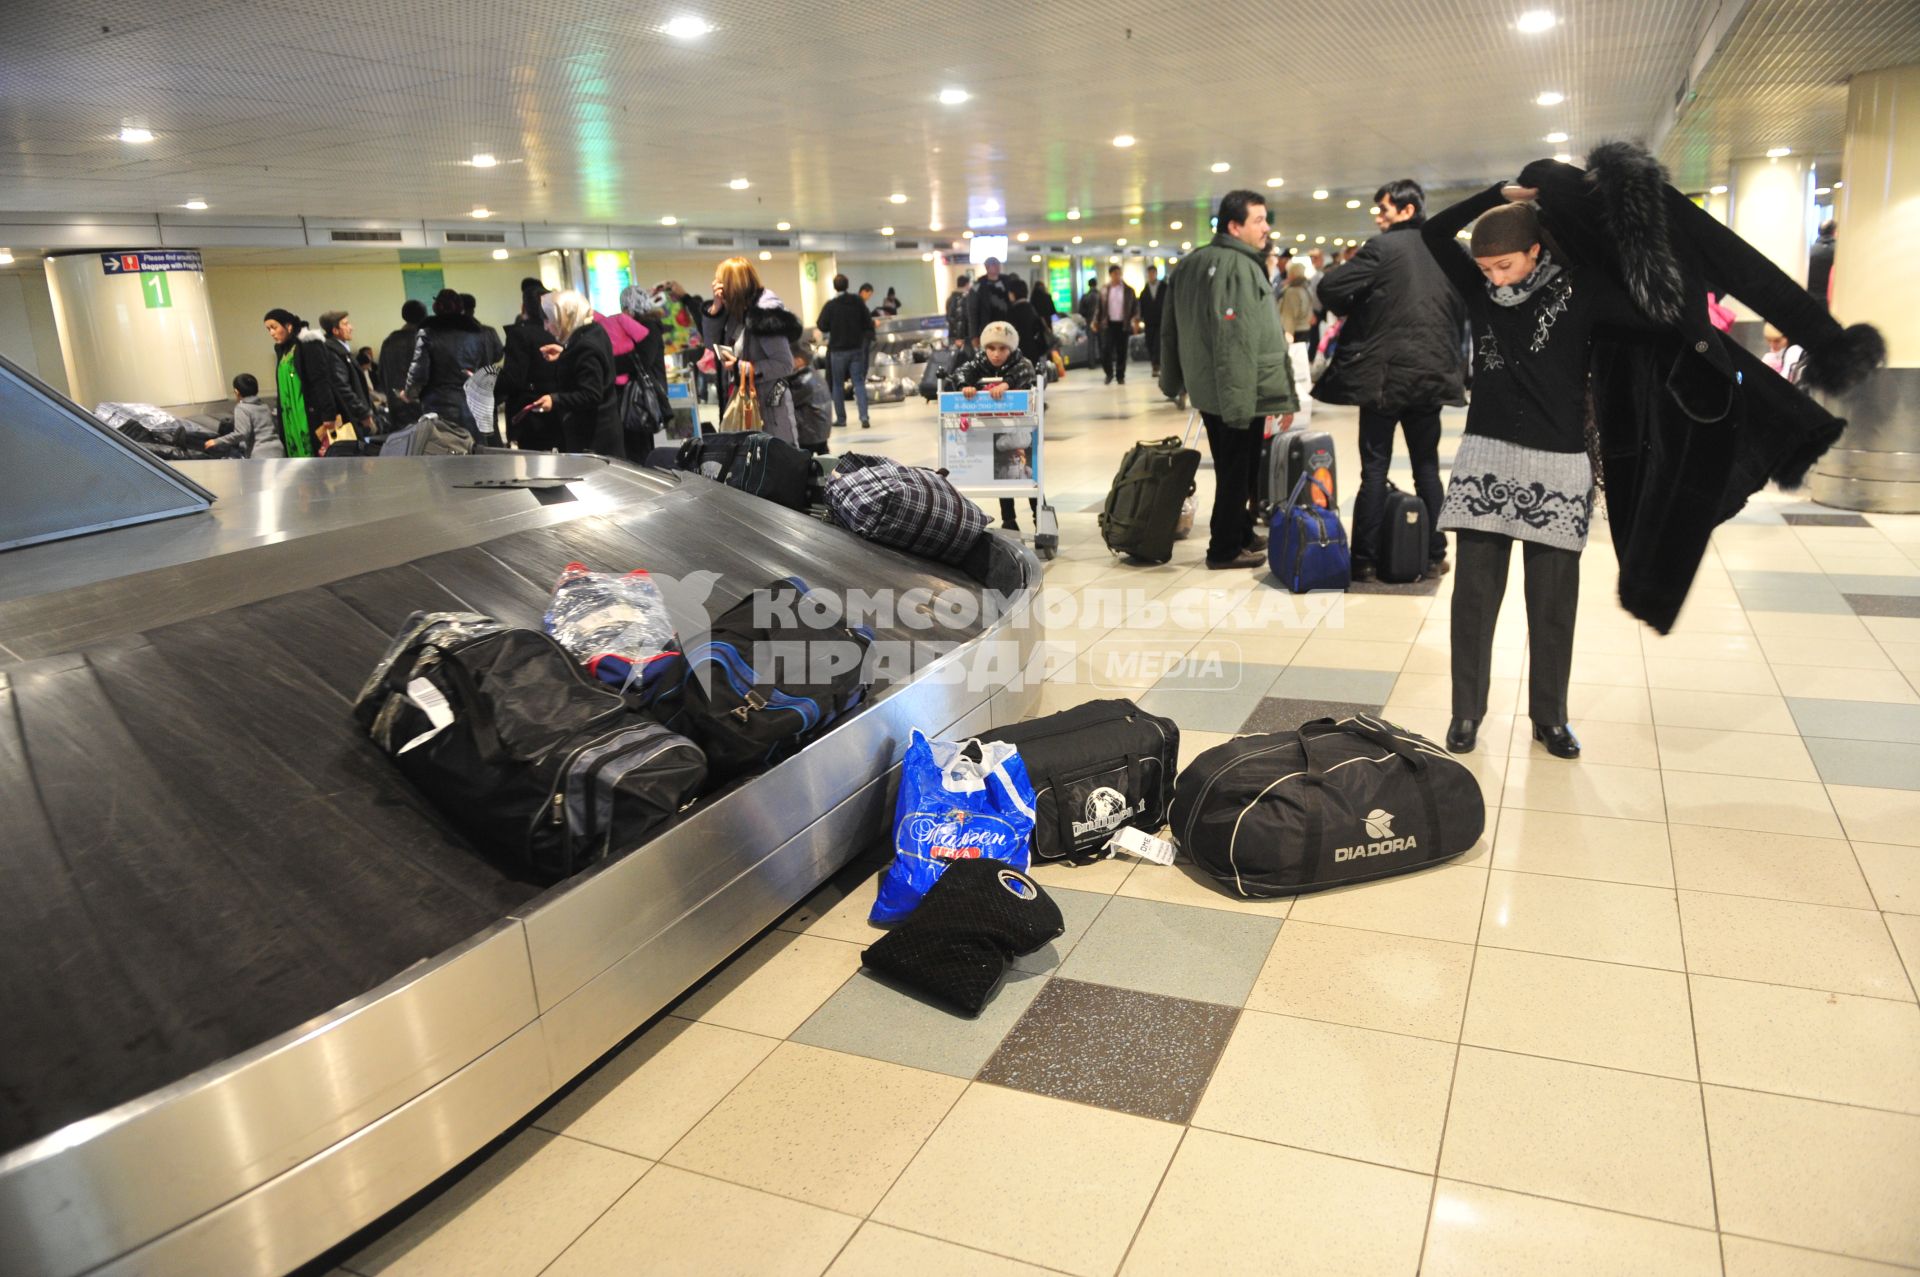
[1330,804]
[1095,768]
[537,764]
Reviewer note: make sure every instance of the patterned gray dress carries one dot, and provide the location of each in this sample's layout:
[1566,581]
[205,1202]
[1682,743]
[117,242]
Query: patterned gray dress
[1520,492]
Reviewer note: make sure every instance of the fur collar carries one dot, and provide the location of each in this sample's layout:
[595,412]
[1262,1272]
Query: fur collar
[1633,190]
[773,321]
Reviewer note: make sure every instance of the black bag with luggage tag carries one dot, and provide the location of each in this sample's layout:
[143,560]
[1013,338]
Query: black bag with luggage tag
[1095,768]
[1142,513]
[539,765]
[1335,802]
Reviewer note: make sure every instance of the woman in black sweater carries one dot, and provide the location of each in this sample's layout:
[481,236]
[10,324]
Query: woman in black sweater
[588,402]
[1522,472]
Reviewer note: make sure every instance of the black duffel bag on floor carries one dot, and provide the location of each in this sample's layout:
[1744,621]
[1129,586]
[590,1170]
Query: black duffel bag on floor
[1330,804]
[1095,768]
[540,766]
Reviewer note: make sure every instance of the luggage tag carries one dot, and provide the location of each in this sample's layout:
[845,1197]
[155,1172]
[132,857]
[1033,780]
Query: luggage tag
[1136,842]
[433,703]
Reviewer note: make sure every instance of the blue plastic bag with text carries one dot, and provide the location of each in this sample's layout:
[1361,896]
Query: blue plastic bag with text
[959,800]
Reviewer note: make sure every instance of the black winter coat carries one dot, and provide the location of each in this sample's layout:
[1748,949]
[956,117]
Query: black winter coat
[1689,423]
[987,302]
[587,402]
[1401,348]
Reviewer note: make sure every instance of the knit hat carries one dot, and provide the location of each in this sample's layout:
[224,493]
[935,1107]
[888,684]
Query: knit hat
[1511,228]
[999,333]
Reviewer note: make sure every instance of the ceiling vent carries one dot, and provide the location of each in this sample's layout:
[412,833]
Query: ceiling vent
[364,237]
[776,242]
[714,241]
[906,243]
[476,237]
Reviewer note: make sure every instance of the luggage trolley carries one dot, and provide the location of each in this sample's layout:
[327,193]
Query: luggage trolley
[993,447]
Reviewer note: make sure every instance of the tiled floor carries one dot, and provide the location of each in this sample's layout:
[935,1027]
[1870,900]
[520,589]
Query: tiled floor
[1661,1020]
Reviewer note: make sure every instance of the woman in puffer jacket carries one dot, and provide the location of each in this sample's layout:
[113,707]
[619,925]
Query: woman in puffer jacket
[745,316]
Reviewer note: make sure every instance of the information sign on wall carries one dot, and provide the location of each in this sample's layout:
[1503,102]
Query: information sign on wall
[154,289]
[151,261]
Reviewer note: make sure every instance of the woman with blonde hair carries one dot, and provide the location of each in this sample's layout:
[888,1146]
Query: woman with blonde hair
[587,403]
[755,328]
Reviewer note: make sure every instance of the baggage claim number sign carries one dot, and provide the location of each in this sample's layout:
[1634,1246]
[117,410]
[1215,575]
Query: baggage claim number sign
[152,267]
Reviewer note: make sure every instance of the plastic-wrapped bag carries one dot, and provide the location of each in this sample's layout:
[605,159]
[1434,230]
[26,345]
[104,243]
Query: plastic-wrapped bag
[612,623]
[959,800]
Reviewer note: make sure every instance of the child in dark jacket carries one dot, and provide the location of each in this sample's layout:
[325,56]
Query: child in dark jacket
[997,366]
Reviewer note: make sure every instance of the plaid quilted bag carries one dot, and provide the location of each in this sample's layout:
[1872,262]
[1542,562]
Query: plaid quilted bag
[906,507]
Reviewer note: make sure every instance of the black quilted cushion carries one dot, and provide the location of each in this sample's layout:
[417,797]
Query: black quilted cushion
[977,918]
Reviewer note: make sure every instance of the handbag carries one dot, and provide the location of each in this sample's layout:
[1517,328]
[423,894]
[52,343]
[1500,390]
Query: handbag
[743,410]
[1307,547]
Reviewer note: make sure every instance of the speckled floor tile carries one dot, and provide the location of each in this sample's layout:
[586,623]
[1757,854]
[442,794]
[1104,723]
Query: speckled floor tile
[1114,1048]
[1883,604]
[1285,714]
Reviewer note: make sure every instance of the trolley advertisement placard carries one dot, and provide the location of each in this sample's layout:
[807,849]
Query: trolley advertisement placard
[991,445]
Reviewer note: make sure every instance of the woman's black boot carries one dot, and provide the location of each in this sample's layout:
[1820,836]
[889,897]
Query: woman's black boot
[1461,735]
[1560,741]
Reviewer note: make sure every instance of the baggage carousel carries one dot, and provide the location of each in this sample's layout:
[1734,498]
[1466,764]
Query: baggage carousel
[258,992]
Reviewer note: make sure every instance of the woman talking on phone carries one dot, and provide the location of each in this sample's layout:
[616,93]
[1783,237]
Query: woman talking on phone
[747,325]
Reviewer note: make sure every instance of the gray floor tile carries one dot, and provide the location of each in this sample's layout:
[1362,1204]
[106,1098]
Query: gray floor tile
[1883,604]
[1115,1048]
[883,1021]
[1424,586]
[1229,677]
[1746,579]
[1363,687]
[1175,950]
[1078,909]
[1284,714]
[1202,711]
[1856,720]
[1875,764]
[1831,603]
[1863,583]
[1824,520]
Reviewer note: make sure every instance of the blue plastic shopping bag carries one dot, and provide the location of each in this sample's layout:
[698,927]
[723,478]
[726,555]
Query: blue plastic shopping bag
[954,804]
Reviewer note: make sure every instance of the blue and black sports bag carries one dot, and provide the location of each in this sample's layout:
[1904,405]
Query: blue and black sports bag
[1306,546]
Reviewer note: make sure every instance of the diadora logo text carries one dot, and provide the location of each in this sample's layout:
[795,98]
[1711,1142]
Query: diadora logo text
[1379,823]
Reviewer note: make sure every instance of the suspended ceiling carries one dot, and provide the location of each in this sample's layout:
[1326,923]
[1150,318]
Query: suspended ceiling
[363,110]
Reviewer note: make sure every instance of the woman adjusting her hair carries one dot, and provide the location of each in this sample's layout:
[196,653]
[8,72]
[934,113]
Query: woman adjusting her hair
[1522,472]
[747,325]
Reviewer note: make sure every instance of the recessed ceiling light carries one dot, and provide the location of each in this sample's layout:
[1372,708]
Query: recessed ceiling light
[1133,221]
[935,226]
[131,134]
[483,160]
[1122,241]
[1779,152]
[898,197]
[669,220]
[990,206]
[1185,244]
[1153,243]
[482,212]
[1115,258]
[6,257]
[1174,226]
[1374,211]
[886,230]
[499,254]
[967,234]
[1823,190]
[198,206]
[1299,239]
[1716,190]
[687,27]
[1338,241]
[1073,215]
[1550,98]
[765,256]
[1319,239]
[1319,195]
[1556,137]
[783,226]
[1078,238]
[1534,21]
[926,257]
[1564,158]
[1221,166]
[739,184]
[1035,257]
[953,97]
[1124,140]
[1022,237]
[1353,203]
[1276,182]
[1838,185]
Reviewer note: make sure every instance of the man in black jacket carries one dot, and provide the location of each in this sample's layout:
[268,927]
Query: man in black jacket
[957,335]
[1820,260]
[848,326]
[1398,360]
[988,302]
[1153,295]
[396,357]
[351,386]
[451,347]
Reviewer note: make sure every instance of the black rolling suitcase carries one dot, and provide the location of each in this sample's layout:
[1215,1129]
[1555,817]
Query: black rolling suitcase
[1142,513]
[1298,452]
[1401,555]
[752,462]
[1333,803]
[1095,768]
[939,364]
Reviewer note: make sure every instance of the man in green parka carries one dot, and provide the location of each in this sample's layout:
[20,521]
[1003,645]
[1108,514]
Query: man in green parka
[1220,342]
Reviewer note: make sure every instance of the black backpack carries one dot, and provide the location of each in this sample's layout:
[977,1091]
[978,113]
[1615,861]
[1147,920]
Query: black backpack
[1095,768]
[537,764]
[1333,803]
[1143,506]
[753,462]
[737,694]
[644,409]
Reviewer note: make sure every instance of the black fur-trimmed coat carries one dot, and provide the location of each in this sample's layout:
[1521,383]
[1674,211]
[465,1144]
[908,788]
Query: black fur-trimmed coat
[1687,423]
[766,342]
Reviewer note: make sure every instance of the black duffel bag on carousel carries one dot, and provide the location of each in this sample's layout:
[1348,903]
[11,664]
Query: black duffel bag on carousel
[1095,768]
[1333,803]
